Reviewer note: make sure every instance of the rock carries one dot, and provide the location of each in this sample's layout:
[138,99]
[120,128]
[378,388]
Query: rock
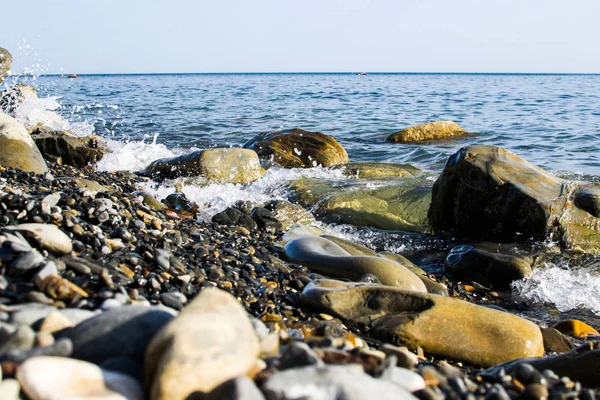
[440,326]
[55,322]
[123,331]
[487,264]
[587,198]
[575,328]
[429,131]
[61,348]
[84,184]
[265,219]
[44,378]
[331,382]
[328,258]
[399,206]
[432,286]
[240,388]
[33,313]
[579,364]
[297,148]
[211,341]
[125,365]
[556,341]
[289,214]
[298,354]
[48,236]
[14,95]
[17,149]
[404,358]
[22,338]
[408,380]
[489,193]
[72,150]
[232,165]
[5,63]
[9,389]
[380,170]
[233,216]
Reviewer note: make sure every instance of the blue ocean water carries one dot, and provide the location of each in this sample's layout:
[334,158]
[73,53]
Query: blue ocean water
[550,120]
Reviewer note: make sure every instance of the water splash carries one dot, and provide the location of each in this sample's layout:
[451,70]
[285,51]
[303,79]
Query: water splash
[567,289]
[132,155]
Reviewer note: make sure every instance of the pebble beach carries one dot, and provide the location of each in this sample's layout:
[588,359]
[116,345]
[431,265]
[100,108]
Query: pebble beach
[121,285]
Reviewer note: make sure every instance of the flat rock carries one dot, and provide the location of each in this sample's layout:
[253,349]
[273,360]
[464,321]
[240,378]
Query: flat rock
[231,165]
[211,341]
[49,236]
[297,148]
[441,326]
[328,258]
[331,382]
[429,131]
[123,331]
[72,150]
[58,378]
[17,149]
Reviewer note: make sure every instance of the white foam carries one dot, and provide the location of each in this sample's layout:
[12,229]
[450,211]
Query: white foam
[34,111]
[565,288]
[131,156]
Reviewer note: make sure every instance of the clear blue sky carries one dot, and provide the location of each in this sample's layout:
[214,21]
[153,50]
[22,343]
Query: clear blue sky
[123,36]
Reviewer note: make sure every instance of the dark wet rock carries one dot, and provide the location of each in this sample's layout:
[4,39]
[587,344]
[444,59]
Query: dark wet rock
[488,264]
[5,63]
[297,148]
[347,382]
[441,326]
[265,219]
[587,198]
[489,193]
[220,165]
[240,388]
[70,149]
[123,331]
[17,149]
[298,354]
[429,131]
[125,365]
[579,364]
[233,216]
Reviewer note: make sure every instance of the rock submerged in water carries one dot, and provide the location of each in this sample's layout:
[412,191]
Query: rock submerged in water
[441,326]
[17,148]
[428,131]
[231,165]
[211,341]
[489,193]
[297,148]
[366,170]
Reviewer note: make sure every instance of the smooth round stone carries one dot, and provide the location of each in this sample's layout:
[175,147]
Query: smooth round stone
[59,378]
[49,236]
[54,322]
[298,354]
[9,389]
[405,378]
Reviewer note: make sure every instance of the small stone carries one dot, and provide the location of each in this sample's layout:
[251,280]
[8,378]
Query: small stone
[48,236]
[409,380]
[9,389]
[405,357]
[298,354]
[535,391]
[576,328]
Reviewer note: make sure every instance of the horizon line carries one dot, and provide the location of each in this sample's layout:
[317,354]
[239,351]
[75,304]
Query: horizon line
[311,73]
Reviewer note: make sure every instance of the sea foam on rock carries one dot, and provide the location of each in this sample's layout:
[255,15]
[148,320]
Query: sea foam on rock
[489,193]
[17,148]
[232,165]
[297,148]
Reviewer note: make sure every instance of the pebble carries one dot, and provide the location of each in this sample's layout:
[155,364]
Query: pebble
[9,389]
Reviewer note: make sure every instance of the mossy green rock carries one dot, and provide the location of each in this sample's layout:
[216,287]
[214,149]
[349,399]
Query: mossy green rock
[402,206]
[487,263]
[17,149]
[441,326]
[328,258]
[5,63]
[428,131]
[489,193]
[297,148]
[231,165]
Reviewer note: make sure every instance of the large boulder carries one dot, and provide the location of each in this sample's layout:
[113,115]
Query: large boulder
[428,131]
[326,257]
[489,193]
[68,148]
[5,63]
[17,148]
[211,341]
[232,165]
[297,148]
[441,326]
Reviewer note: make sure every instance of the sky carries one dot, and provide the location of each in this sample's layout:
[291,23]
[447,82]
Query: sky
[135,36]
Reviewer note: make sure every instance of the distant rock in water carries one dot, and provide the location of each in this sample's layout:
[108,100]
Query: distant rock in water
[5,63]
[428,131]
[489,193]
[17,149]
[297,148]
[232,165]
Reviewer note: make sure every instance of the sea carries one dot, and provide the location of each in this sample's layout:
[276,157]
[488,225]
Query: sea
[551,120]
